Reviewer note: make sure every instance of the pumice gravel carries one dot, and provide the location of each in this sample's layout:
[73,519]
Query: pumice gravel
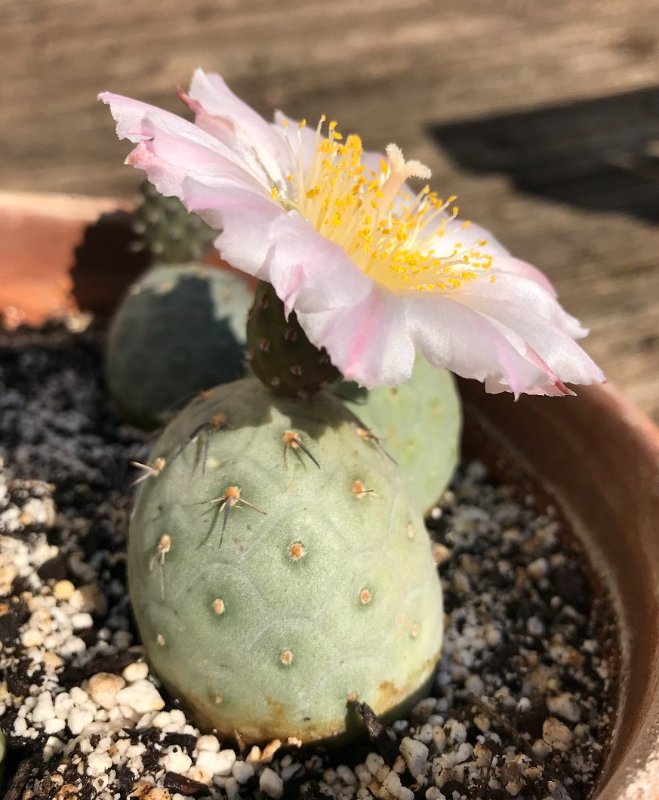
[522,699]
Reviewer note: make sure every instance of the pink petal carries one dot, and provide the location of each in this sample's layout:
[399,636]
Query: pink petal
[241,128]
[514,266]
[367,342]
[456,337]
[517,295]
[471,236]
[326,277]
[170,142]
[243,216]
[542,341]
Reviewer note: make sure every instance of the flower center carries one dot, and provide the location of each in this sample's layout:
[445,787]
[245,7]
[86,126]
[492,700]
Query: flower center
[402,241]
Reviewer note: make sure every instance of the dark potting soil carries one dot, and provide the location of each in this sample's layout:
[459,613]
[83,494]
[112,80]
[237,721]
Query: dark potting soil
[522,699]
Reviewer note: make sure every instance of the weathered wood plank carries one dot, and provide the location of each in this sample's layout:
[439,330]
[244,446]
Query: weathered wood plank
[394,70]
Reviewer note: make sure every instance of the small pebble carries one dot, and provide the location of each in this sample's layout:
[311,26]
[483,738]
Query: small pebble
[141,696]
[104,687]
[271,784]
[137,671]
[216,763]
[416,756]
[556,734]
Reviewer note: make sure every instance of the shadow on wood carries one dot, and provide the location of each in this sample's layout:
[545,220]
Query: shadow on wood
[600,154]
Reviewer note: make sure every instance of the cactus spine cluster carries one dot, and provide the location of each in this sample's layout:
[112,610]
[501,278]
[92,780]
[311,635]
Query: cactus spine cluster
[278,568]
[418,423]
[180,329]
[168,231]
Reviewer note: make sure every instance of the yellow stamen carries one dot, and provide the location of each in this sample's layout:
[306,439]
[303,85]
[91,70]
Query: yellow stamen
[393,236]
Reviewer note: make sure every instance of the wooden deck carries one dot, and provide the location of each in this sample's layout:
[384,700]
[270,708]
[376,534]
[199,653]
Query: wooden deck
[542,117]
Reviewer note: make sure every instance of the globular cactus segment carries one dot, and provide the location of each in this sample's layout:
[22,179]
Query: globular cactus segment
[168,231]
[278,569]
[417,423]
[279,352]
[179,330]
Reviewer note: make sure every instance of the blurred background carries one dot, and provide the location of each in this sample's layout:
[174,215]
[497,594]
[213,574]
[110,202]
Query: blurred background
[542,117]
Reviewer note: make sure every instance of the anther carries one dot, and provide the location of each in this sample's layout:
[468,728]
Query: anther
[286,657]
[365,596]
[218,606]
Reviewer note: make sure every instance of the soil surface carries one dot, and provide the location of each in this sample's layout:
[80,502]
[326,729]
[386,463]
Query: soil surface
[522,700]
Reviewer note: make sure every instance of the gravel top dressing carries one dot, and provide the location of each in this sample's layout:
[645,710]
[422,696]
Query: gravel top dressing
[522,701]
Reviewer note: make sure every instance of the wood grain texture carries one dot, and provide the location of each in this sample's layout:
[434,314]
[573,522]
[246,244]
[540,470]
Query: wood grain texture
[401,70]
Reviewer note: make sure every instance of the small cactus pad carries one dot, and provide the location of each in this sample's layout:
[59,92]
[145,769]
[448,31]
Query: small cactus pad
[279,352]
[168,231]
[418,423]
[179,330]
[277,569]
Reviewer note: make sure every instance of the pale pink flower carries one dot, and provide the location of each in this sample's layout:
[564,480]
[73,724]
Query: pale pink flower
[373,270]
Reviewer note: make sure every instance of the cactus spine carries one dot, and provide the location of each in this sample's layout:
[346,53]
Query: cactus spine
[418,423]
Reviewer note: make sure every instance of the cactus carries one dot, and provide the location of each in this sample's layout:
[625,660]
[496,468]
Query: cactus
[278,569]
[168,231]
[180,329]
[279,353]
[418,424]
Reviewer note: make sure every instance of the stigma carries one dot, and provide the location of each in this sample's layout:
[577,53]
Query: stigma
[403,241]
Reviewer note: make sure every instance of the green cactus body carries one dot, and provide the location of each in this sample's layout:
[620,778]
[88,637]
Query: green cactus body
[168,231]
[279,353]
[418,423]
[278,570]
[180,329]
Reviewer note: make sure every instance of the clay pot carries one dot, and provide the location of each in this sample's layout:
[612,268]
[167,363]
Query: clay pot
[596,454]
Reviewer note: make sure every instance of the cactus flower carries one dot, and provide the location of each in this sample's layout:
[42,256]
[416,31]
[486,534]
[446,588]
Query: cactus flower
[374,270]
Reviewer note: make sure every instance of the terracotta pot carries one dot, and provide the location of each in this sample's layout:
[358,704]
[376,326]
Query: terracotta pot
[596,454]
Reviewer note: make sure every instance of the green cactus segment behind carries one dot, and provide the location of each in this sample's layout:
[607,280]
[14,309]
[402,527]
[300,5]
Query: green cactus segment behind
[180,329]
[266,611]
[279,352]
[169,231]
[418,423]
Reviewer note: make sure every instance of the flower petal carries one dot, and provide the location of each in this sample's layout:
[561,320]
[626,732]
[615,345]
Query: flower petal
[242,215]
[516,295]
[169,142]
[368,341]
[540,333]
[238,125]
[453,336]
[326,276]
